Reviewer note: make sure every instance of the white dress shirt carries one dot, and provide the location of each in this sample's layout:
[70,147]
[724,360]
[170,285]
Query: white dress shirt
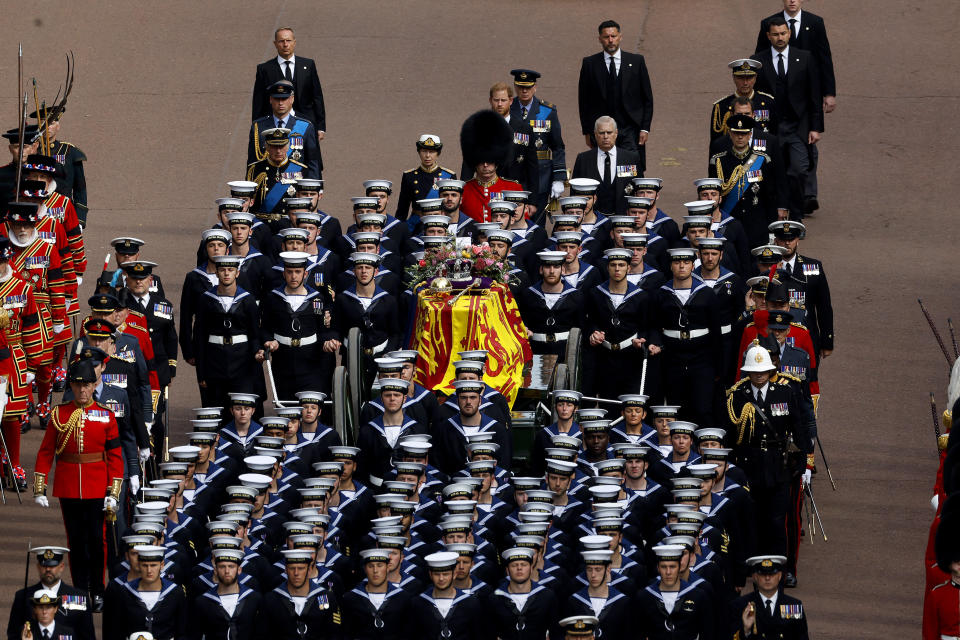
[798,18]
[776,59]
[286,119]
[772,599]
[762,390]
[601,156]
[283,66]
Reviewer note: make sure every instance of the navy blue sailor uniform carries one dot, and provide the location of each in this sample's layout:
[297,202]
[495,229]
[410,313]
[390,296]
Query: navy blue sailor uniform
[126,611]
[531,622]
[377,318]
[377,443]
[462,621]
[195,283]
[303,142]
[449,451]
[615,616]
[550,316]
[254,273]
[690,617]
[388,620]
[214,621]
[731,291]
[547,144]
[297,324]
[318,618]
[621,319]
[226,340]
[692,349]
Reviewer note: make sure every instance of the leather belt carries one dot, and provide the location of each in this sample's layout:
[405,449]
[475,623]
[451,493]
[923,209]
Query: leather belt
[227,340]
[617,346]
[545,154]
[295,342]
[726,329]
[82,458]
[550,337]
[377,350]
[686,334]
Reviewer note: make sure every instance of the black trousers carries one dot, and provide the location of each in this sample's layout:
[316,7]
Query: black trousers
[83,520]
[772,502]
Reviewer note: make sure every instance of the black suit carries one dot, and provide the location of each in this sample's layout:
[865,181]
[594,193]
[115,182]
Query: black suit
[812,37]
[631,103]
[307,93]
[611,198]
[800,111]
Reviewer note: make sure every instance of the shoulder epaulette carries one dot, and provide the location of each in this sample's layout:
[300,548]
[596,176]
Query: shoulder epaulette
[442,168]
[764,93]
[548,104]
[798,324]
[411,170]
[717,156]
[298,164]
[103,406]
[509,180]
[720,100]
[788,377]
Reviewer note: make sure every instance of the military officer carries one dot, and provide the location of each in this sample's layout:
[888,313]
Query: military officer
[71,180]
[127,249]
[547,139]
[303,146]
[85,443]
[774,431]
[74,609]
[158,312]
[275,175]
[767,612]
[421,182]
[806,285]
[744,79]
[486,142]
[579,627]
[752,186]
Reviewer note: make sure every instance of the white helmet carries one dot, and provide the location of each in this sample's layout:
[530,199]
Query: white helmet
[757,360]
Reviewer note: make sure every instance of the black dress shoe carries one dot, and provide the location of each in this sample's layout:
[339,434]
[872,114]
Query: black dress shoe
[810,205]
[97,604]
[790,580]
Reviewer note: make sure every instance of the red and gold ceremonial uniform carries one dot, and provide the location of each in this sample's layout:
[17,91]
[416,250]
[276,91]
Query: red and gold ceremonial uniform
[799,337]
[85,443]
[941,612]
[60,208]
[477,196]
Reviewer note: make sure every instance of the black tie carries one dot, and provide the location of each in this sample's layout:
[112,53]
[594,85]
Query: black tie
[45,634]
[760,402]
[606,168]
[523,112]
[781,70]
[770,608]
[280,124]
[612,86]
[613,69]
[793,29]
[288,72]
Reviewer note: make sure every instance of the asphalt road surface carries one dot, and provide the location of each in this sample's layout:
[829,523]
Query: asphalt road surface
[161,106]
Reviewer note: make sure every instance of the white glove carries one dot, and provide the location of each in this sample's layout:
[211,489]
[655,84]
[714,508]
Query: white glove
[57,328]
[144,455]
[935,502]
[805,478]
[110,504]
[556,189]
[42,501]
[79,280]
[134,485]
[31,376]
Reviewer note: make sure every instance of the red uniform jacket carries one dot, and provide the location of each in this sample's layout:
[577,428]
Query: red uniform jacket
[798,333]
[87,454]
[476,197]
[941,611]
[22,339]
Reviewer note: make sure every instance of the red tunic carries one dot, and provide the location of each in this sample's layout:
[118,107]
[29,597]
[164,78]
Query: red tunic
[476,197]
[22,338]
[798,333]
[941,611]
[39,262]
[87,454]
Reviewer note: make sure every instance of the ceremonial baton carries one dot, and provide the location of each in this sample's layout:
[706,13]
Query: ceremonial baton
[936,332]
[826,465]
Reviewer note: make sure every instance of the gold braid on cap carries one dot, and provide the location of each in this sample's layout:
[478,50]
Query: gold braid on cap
[73,427]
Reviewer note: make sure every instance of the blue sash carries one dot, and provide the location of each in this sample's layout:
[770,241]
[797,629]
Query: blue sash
[298,129]
[740,188]
[279,190]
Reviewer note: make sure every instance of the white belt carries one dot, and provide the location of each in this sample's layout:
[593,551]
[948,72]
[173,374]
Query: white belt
[228,340]
[616,346]
[726,328]
[943,637]
[550,337]
[295,342]
[685,335]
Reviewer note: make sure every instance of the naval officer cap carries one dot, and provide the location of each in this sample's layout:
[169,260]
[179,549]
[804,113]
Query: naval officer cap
[48,556]
[787,229]
[126,246]
[745,66]
[741,123]
[277,137]
[767,564]
[768,253]
[524,77]
[281,89]
[779,320]
[430,141]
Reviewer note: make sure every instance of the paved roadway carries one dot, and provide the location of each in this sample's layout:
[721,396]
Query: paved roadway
[161,106]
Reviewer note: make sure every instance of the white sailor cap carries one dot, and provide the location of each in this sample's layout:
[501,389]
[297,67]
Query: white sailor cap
[450,185]
[682,253]
[666,552]
[378,185]
[708,183]
[364,202]
[572,202]
[441,560]
[583,185]
[245,187]
[618,254]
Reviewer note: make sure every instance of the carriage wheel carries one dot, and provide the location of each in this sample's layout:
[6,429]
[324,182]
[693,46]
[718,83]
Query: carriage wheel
[344,420]
[355,369]
[572,358]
